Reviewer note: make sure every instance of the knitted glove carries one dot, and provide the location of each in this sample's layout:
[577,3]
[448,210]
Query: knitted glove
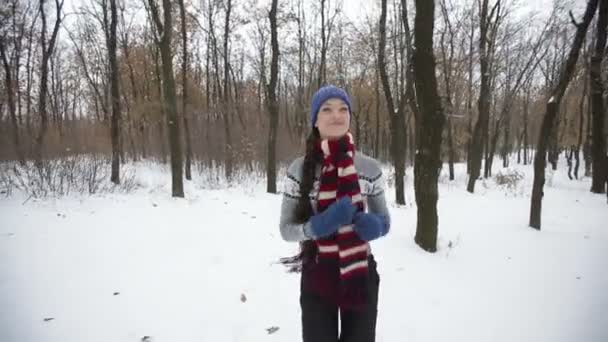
[337,214]
[370,226]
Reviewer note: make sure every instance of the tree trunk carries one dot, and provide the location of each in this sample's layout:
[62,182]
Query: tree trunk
[170,104]
[396,117]
[481,126]
[581,124]
[432,119]
[598,149]
[470,97]
[322,67]
[551,113]
[227,105]
[526,107]
[410,92]
[506,145]
[115,124]
[377,136]
[47,51]
[273,109]
[182,13]
[163,111]
[451,152]
[10,90]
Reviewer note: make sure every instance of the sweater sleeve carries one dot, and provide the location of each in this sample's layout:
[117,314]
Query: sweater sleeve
[376,200]
[291,230]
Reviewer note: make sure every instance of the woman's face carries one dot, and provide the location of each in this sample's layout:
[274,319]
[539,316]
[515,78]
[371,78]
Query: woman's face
[333,119]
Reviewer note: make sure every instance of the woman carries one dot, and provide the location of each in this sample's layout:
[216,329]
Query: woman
[334,204]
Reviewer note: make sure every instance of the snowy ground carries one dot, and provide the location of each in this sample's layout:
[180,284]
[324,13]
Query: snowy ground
[146,267]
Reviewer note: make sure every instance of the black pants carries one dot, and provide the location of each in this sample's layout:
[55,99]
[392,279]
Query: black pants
[320,318]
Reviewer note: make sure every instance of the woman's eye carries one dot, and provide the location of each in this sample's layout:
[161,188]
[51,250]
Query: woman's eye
[343,109]
[326,109]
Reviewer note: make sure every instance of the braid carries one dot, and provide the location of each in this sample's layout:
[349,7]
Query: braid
[311,159]
[304,211]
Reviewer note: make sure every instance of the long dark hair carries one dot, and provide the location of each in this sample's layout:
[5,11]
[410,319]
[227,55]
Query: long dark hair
[304,210]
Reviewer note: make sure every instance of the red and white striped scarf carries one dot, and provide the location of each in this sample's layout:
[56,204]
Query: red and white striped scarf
[344,249]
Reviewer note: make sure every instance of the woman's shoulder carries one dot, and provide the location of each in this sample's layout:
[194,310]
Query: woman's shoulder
[367,167]
[294,170]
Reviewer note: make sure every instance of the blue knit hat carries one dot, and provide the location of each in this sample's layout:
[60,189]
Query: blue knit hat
[323,94]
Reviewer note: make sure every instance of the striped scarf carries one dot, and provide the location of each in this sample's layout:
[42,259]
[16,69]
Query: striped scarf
[343,253]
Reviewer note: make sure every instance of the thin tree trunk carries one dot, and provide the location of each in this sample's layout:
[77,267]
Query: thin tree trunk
[470,98]
[322,76]
[396,117]
[115,125]
[182,13]
[377,137]
[273,109]
[10,90]
[598,150]
[227,105]
[165,31]
[526,108]
[47,51]
[581,124]
[481,126]
[551,113]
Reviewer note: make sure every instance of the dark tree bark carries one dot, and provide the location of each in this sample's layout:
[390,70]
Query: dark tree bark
[581,124]
[551,113]
[184,32]
[227,105]
[377,135]
[396,114]
[12,109]
[115,124]
[527,91]
[47,48]
[447,60]
[164,30]
[432,120]
[598,145]
[273,109]
[324,38]
[470,96]
[410,92]
[481,126]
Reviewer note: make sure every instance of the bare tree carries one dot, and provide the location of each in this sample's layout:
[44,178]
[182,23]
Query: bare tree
[551,113]
[13,32]
[432,120]
[115,125]
[273,108]
[598,150]
[518,70]
[581,118]
[448,63]
[396,115]
[185,114]
[227,109]
[163,40]
[47,51]
[486,20]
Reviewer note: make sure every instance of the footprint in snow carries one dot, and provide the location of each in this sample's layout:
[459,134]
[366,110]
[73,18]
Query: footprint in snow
[272,330]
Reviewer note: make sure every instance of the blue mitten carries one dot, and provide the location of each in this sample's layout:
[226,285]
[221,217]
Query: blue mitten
[337,214]
[370,226]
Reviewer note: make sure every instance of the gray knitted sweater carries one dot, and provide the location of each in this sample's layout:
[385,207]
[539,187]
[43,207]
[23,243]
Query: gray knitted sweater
[371,182]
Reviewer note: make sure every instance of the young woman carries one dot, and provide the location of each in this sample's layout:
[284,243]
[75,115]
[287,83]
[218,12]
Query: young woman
[334,204]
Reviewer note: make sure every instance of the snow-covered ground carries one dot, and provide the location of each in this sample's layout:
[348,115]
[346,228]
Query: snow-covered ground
[147,267]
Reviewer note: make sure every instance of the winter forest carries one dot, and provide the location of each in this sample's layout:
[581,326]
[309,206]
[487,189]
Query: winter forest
[144,146]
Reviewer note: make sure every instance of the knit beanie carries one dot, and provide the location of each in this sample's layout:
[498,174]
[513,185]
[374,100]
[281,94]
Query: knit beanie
[323,94]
